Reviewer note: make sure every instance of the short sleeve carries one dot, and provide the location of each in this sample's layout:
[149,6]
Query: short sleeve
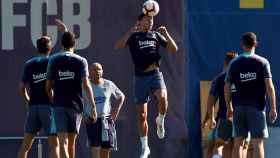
[84,70]
[162,40]
[116,92]
[267,71]
[25,74]
[129,40]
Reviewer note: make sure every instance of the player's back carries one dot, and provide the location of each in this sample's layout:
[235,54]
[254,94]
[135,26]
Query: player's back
[248,74]
[67,69]
[34,75]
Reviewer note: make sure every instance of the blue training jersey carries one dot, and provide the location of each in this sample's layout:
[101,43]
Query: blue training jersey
[217,90]
[144,49]
[34,75]
[247,74]
[67,70]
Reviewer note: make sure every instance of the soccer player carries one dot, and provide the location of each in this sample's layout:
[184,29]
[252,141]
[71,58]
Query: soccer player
[144,44]
[248,81]
[101,134]
[222,128]
[40,113]
[67,74]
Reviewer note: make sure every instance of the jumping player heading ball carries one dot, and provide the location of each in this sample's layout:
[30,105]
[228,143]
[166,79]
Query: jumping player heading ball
[144,44]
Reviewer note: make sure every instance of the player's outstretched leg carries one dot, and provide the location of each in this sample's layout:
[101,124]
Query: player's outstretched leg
[143,130]
[161,95]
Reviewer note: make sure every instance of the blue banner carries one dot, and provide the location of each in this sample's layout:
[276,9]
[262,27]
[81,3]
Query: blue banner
[212,29]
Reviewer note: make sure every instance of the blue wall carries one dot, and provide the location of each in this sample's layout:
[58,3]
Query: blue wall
[212,28]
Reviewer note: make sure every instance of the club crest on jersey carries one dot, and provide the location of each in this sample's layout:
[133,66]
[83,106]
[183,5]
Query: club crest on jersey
[39,77]
[65,75]
[249,76]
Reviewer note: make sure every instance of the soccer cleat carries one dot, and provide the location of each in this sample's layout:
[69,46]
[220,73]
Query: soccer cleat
[160,128]
[145,152]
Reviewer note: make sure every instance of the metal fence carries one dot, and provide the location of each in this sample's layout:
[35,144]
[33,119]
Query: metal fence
[39,143]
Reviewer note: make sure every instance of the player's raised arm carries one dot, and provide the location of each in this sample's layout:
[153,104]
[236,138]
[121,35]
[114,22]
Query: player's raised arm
[50,80]
[121,43]
[61,26]
[171,45]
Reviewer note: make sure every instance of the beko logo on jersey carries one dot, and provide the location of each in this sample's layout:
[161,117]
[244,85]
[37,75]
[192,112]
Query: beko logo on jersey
[39,77]
[248,76]
[144,44]
[66,75]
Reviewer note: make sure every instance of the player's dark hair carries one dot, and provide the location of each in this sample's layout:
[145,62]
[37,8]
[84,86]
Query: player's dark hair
[249,39]
[141,16]
[68,40]
[229,56]
[43,44]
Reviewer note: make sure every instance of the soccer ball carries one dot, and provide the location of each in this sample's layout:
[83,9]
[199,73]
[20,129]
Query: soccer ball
[150,8]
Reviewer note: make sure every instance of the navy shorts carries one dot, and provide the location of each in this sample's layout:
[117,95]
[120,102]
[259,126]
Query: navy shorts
[223,130]
[249,119]
[102,134]
[40,117]
[67,120]
[147,83]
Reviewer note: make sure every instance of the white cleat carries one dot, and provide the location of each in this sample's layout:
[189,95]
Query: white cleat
[145,152]
[160,128]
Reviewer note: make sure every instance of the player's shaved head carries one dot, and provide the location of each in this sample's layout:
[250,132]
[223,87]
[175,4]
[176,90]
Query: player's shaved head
[96,71]
[96,64]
